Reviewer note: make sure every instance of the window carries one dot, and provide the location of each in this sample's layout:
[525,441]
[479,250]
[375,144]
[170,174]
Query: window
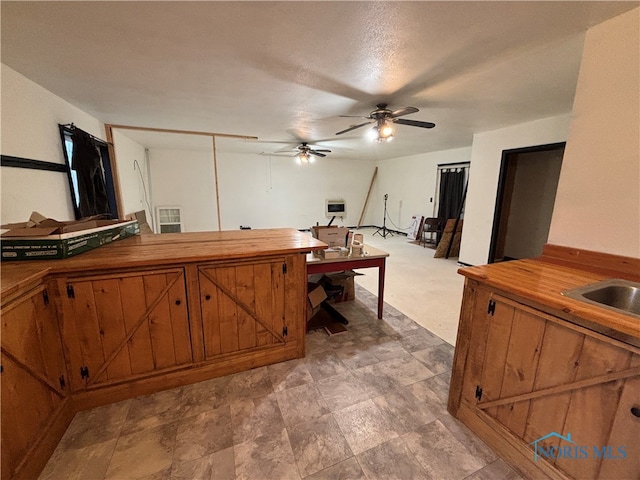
[169,219]
[95,195]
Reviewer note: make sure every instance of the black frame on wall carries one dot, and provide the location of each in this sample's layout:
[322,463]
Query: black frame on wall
[19,162]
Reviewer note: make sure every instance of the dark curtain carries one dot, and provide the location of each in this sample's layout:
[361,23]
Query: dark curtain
[87,163]
[451,191]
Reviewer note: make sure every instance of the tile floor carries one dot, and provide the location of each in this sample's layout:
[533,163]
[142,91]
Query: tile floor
[366,404]
[426,289]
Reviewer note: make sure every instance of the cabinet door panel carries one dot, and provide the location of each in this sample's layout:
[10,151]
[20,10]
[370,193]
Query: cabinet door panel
[82,318]
[497,346]
[597,403]
[107,297]
[180,323]
[228,311]
[33,375]
[265,305]
[245,289]
[134,302]
[118,326]
[559,354]
[625,432]
[242,306]
[160,325]
[475,358]
[520,368]
[26,406]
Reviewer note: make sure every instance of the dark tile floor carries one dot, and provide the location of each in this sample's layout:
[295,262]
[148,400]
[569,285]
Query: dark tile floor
[366,404]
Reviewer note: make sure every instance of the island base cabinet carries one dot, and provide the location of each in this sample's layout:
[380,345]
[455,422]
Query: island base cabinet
[126,326]
[34,386]
[555,399]
[138,317]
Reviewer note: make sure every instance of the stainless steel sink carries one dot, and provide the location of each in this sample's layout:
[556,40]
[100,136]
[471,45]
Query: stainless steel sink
[618,295]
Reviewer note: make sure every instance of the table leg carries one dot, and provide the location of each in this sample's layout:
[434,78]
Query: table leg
[381,288]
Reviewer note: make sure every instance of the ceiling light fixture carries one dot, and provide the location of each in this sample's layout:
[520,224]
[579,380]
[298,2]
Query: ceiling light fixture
[303,158]
[382,132]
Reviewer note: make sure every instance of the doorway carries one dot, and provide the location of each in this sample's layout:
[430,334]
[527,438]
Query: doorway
[524,204]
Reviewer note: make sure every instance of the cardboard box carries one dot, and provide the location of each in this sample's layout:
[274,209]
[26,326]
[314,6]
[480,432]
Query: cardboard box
[334,252]
[44,238]
[344,280]
[315,295]
[333,236]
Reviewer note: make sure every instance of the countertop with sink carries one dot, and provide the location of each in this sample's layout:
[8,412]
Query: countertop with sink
[541,283]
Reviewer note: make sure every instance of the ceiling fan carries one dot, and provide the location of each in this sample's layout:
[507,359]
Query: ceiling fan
[305,154]
[384,120]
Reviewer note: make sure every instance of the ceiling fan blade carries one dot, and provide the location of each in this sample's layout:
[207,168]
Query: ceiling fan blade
[316,153]
[354,116]
[415,123]
[321,150]
[353,127]
[404,111]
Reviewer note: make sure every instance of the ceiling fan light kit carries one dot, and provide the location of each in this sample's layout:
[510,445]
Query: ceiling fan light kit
[307,155]
[383,131]
[304,158]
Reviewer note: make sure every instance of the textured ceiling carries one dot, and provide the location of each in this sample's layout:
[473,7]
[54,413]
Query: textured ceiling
[286,71]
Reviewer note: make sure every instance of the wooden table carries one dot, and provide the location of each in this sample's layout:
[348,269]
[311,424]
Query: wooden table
[372,258]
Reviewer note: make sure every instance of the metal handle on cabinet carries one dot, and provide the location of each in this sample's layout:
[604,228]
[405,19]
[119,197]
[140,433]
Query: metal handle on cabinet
[178,302]
[635,411]
[207,297]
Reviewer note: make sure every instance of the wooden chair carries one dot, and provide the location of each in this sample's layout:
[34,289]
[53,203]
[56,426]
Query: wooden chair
[430,227]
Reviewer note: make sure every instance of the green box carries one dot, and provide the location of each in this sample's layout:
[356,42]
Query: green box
[66,244]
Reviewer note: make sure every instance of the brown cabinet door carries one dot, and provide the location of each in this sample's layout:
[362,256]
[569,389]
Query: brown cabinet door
[124,326]
[243,306]
[473,366]
[34,380]
[565,392]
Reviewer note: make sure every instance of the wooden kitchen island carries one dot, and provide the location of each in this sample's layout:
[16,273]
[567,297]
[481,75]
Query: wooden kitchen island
[552,384]
[137,316]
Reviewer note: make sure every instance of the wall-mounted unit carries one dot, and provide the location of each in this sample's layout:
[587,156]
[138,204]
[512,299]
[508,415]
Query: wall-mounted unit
[335,208]
[169,219]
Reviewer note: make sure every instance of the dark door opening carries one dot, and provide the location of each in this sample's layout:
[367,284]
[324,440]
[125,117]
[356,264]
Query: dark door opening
[524,204]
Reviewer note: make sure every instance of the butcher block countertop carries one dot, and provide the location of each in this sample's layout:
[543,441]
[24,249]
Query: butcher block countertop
[165,249]
[540,283]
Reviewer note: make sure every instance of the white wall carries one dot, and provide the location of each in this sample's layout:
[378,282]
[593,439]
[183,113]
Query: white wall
[410,183]
[184,178]
[255,190]
[486,153]
[598,200]
[29,128]
[273,191]
[132,172]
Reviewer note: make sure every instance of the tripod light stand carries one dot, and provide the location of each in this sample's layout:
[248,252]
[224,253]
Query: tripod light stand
[384,229]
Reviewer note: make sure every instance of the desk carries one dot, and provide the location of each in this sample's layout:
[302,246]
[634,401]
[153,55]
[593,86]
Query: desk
[372,258]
